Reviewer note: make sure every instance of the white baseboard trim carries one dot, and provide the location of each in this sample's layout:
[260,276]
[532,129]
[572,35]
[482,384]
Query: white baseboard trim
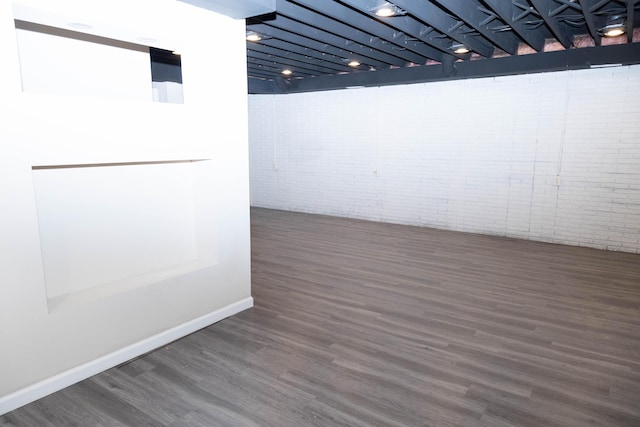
[65,379]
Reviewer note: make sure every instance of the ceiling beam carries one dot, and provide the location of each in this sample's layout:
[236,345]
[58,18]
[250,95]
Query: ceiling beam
[372,26]
[260,85]
[276,68]
[308,32]
[445,23]
[472,13]
[329,25]
[307,59]
[589,17]
[547,13]
[412,28]
[631,4]
[505,10]
[325,49]
[287,54]
[257,72]
[291,63]
[570,59]
[271,45]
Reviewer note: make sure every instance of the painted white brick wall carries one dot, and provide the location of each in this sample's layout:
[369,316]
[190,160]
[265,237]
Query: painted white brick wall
[478,155]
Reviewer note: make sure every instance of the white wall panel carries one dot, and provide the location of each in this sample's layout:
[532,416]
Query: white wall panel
[551,156]
[66,231]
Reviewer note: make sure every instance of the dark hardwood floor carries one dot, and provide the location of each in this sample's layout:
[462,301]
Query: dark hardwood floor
[366,324]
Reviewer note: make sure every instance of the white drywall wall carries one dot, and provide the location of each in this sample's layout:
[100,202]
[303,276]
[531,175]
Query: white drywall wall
[46,346]
[551,157]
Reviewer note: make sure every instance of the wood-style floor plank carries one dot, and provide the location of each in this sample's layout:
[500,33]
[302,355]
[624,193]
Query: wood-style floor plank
[359,323]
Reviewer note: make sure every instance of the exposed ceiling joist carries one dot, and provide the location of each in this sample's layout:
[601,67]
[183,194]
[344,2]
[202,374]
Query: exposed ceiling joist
[349,45]
[325,43]
[477,16]
[548,10]
[323,49]
[630,18]
[408,25]
[590,19]
[446,24]
[299,64]
[371,26]
[571,59]
[277,54]
[312,55]
[337,28]
[506,10]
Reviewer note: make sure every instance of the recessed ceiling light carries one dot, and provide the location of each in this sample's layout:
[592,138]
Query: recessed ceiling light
[354,64]
[287,72]
[614,26]
[459,48]
[253,37]
[387,10]
[613,30]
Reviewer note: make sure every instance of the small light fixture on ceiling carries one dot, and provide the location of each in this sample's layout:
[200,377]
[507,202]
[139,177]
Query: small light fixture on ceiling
[354,64]
[614,27]
[459,48]
[612,30]
[387,10]
[287,72]
[252,36]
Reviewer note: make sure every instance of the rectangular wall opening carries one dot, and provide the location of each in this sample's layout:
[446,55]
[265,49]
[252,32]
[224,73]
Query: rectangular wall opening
[64,62]
[108,228]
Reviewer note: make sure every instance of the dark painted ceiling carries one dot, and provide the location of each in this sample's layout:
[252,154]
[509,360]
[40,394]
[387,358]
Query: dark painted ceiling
[317,39]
